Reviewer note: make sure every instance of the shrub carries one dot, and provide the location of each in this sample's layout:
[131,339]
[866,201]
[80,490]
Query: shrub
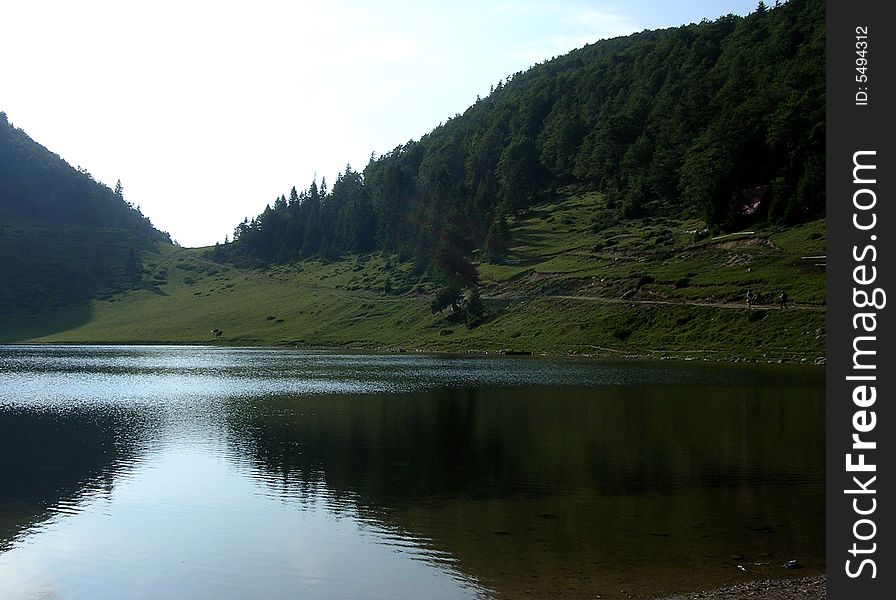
[757,315]
[622,334]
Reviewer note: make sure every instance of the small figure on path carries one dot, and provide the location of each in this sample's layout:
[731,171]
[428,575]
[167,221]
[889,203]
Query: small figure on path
[751,298]
[782,299]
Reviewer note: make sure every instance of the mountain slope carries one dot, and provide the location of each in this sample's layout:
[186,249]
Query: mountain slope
[721,120]
[653,287]
[64,238]
[580,208]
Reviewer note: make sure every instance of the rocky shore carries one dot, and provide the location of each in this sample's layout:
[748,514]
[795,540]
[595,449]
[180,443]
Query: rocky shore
[803,588]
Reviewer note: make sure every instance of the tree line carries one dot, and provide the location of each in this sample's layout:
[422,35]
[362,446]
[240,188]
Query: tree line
[723,119]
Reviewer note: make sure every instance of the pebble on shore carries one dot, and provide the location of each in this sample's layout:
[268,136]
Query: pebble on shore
[803,588]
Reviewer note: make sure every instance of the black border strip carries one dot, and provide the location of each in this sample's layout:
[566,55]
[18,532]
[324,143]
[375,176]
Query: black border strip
[860,338]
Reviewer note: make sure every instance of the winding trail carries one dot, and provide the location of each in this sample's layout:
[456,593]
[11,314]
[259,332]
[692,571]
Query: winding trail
[729,305]
[603,300]
[339,293]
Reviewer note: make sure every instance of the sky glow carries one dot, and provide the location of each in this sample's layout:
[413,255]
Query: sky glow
[207,111]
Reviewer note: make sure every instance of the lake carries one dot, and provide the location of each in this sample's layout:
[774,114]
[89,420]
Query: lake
[194,472]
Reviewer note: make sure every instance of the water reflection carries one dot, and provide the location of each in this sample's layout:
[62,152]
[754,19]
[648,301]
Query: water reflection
[578,489]
[51,462]
[232,473]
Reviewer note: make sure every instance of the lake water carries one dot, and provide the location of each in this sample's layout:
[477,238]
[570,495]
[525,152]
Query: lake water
[186,472]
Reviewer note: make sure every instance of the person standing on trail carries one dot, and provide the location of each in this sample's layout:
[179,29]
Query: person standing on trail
[751,298]
[782,299]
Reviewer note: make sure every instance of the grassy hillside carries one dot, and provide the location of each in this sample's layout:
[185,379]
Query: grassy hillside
[721,121]
[52,272]
[571,283]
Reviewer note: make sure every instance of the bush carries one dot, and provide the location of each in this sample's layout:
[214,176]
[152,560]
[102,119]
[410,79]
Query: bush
[622,334]
[447,296]
[475,308]
[645,279]
[757,315]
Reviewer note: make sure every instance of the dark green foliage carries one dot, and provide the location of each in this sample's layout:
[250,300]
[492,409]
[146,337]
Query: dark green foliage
[452,268]
[622,334]
[48,269]
[723,120]
[447,296]
[498,236]
[475,308]
[518,172]
[757,315]
[450,256]
[312,223]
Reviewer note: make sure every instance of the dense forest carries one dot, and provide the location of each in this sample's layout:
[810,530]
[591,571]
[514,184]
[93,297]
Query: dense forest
[723,119]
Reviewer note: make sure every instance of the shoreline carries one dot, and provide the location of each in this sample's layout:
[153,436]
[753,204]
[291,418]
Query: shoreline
[812,587]
[609,354]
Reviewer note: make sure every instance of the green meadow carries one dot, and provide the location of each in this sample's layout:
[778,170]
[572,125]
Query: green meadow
[571,282]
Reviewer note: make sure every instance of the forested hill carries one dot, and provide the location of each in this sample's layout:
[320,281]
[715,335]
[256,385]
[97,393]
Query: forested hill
[36,185]
[64,237]
[723,120]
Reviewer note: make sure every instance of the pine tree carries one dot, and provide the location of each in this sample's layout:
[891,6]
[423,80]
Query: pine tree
[498,236]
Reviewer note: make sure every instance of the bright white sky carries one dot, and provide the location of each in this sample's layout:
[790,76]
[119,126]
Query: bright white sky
[207,111]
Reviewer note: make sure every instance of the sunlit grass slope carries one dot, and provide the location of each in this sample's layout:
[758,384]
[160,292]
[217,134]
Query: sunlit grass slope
[571,282]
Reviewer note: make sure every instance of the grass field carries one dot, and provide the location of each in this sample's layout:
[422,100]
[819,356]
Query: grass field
[571,283]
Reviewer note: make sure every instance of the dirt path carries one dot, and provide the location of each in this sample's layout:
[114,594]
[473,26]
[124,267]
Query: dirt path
[601,300]
[578,298]
[737,305]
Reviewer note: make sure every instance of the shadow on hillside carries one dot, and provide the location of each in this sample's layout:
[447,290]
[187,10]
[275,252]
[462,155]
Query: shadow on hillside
[26,325]
[52,274]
